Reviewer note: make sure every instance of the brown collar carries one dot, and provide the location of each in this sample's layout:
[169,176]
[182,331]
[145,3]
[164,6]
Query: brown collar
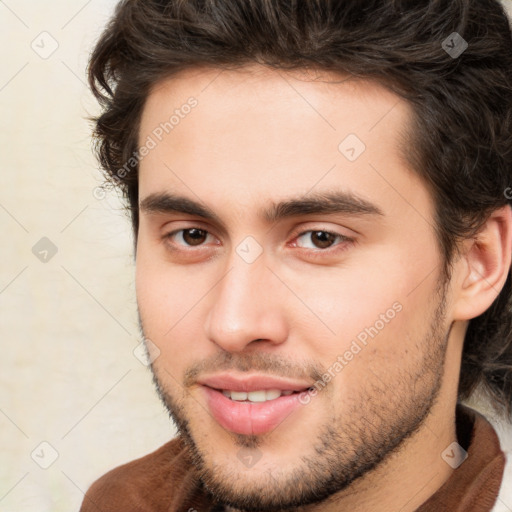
[474,485]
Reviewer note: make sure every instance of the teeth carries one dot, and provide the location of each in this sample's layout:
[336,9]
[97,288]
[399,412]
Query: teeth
[238,395]
[271,394]
[255,396]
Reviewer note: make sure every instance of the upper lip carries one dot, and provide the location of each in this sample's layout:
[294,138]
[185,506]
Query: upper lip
[255,382]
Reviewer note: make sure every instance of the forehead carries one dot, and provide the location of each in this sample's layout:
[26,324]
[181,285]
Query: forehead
[258,132]
[310,102]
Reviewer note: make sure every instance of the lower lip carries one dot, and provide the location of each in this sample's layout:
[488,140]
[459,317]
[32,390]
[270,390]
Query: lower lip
[250,418]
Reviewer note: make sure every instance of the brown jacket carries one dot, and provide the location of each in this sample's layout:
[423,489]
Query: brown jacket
[166,481]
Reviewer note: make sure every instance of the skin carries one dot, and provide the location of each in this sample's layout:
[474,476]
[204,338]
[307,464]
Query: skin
[372,438]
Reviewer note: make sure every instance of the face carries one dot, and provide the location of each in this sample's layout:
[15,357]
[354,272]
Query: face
[289,275]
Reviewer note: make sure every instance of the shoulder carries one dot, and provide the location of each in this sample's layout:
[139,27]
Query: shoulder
[144,484]
[503,429]
[504,501]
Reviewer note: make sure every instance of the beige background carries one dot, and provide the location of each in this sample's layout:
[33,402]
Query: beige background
[68,329]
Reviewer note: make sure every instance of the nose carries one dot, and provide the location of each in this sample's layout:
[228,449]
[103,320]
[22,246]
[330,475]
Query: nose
[246,306]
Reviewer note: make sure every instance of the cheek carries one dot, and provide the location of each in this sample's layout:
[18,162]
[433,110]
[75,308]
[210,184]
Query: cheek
[383,299]
[171,306]
[380,298]
[162,297]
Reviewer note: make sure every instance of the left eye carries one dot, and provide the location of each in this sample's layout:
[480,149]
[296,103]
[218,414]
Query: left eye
[191,237]
[319,239]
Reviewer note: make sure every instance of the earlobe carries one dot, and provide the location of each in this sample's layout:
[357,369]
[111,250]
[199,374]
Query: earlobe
[485,265]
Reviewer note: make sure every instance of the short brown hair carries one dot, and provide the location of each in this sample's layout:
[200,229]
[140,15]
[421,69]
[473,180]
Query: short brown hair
[460,144]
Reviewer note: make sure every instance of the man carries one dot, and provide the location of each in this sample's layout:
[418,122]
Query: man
[320,195]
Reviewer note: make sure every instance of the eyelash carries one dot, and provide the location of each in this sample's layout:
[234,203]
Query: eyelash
[342,240]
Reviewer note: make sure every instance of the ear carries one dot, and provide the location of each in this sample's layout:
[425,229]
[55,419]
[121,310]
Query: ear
[484,267]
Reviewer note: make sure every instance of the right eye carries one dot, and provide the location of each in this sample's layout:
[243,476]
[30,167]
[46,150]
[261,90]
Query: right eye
[188,237]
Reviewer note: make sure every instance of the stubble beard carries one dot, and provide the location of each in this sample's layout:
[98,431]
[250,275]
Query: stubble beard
[354,443]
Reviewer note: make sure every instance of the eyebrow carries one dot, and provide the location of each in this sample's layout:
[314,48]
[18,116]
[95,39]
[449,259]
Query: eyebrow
[312,204]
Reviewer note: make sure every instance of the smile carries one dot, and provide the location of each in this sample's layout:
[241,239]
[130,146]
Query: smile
[257,396]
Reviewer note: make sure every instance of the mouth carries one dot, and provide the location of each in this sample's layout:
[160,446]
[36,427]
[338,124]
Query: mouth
[258,396]
[253,405]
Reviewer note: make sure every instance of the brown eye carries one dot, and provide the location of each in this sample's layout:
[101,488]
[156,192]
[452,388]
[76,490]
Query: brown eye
[190,237]
[319,239]
[194,236]
[322,239]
